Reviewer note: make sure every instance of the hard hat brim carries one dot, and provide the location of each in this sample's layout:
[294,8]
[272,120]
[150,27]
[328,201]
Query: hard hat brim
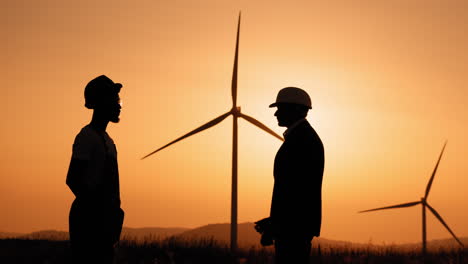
[278,103]
[273,105]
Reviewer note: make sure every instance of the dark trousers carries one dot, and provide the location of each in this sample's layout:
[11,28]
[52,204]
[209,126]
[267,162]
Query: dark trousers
[292,251]
[94,230]
[84,252]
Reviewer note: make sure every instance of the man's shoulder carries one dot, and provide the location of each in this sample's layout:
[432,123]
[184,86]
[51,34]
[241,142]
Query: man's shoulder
[86,135]
[307,134]
[306,129]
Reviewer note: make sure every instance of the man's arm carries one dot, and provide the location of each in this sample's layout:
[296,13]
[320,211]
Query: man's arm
[79,175]
[76,177]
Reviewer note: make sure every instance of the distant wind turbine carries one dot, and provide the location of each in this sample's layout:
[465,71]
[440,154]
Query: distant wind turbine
[236,113]
[424,204]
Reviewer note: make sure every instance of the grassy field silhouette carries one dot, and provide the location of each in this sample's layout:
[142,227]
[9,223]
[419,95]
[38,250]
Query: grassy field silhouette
[179,251]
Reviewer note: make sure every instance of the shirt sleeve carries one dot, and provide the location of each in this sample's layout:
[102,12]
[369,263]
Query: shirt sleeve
[82,146]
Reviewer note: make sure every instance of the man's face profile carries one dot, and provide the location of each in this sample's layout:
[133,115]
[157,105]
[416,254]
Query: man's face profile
[286,114]
[111,108]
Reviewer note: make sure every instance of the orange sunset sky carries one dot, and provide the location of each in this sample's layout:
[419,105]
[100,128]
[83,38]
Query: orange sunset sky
[387,81]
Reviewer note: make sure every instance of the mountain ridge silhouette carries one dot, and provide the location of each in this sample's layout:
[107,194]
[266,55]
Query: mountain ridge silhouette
[220,232]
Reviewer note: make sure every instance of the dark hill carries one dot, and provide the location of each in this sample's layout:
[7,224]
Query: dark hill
[150,233]
[247,237]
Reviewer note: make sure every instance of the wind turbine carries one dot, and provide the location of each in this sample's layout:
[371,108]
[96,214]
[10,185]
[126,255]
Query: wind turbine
[424,204]
[236,113]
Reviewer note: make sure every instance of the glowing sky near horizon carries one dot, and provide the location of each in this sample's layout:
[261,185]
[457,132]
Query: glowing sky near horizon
[387,81]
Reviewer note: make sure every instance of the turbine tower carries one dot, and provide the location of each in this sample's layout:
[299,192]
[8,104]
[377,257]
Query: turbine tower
[424,204]
[236,113]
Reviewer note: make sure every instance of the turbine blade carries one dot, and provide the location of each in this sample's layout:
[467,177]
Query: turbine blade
[260,125]
[437,215]
[234,72]
[199,129]
[429,184]
[392,206]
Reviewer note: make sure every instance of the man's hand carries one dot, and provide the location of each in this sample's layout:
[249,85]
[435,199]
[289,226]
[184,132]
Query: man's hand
[264,228]
[263,225]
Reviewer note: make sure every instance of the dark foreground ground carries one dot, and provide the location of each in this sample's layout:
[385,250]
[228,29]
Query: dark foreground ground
[207,252]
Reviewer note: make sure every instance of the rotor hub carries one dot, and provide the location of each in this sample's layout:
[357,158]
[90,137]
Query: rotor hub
[236,111]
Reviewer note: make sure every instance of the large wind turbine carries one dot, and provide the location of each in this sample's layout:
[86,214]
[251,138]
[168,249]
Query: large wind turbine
[236,113]
[424,204]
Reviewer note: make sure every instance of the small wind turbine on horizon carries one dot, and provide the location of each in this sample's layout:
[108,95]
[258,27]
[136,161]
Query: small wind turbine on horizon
[236,113]
[424,204]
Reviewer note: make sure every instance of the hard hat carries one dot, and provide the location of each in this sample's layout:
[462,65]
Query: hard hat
[99,88]
[293,95]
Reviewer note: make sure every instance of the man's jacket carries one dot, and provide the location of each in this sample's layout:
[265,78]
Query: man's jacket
[296,207]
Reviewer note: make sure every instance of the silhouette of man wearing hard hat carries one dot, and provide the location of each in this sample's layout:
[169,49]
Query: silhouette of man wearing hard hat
[96,219]
[296,206]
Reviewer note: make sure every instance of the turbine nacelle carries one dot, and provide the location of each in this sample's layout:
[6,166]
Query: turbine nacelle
[236,111]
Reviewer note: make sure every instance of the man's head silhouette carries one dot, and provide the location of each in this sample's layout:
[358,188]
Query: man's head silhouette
[293,104]
[102,95]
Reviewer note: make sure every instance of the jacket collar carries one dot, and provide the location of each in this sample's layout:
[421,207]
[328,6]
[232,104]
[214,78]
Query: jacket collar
[292,127]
